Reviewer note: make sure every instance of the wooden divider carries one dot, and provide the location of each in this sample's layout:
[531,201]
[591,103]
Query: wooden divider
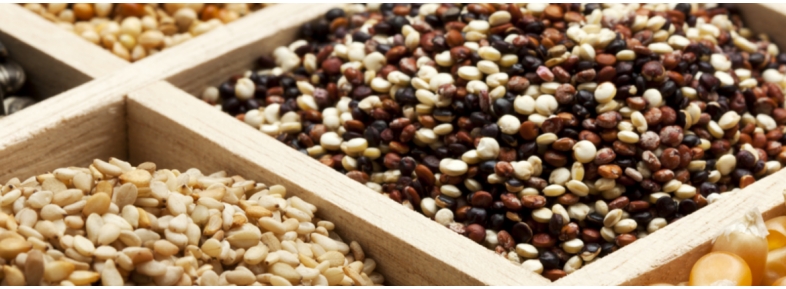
[49,125]
[129,112]
[72,128]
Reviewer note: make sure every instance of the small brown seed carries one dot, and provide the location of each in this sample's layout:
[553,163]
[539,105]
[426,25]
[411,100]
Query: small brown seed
[543,240]
[553,12]
[604,156]
[425,175]
[476,233]
[619,203]
[34,267]
[671,135]
[454,38]
[670,158]
[568,199]
[653,71]
[505,240]
[624,239]
[651,161]
[528,130]
[533,201]
[610,171]
[481,199]
[569,232]
[554,274]
[589,235]
[511,202]
[638,206]
[663,176]
[608,119]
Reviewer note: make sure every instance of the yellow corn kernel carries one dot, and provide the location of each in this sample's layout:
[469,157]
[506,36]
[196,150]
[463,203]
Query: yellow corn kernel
[777,229]
[748,240]
[776,266]
[720,268]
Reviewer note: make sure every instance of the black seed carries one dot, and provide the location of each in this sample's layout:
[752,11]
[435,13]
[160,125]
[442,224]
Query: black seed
[549,260]
[666,207]
[521,232]
[688,206]
[555,224]
[334,13]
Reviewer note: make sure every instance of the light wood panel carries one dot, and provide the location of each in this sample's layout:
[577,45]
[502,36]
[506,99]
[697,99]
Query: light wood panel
[160,123]
[75,135]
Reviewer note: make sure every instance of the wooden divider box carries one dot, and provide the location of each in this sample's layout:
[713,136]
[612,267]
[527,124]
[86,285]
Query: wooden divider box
[103,106]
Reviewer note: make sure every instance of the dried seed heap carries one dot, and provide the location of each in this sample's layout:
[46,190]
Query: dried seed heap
[114,224]
[550,133]
[12,78]
[134,31]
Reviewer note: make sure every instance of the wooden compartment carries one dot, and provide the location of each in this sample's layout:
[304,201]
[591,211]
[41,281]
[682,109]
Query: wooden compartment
[66,61]
[55,61]
[138,112]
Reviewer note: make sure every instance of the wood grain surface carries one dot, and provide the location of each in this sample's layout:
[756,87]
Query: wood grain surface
[106,107]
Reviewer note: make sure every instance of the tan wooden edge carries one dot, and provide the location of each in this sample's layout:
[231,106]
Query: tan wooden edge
[412,250]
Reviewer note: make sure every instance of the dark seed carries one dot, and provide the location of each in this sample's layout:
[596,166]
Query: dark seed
[521,232]
[666,207]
